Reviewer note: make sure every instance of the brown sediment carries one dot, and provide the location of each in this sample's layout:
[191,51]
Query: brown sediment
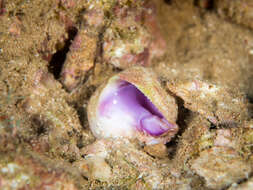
[206,64]
[238,12]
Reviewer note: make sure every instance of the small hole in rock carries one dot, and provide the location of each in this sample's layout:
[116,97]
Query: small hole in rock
[39,126]
[57,61]
[212,126]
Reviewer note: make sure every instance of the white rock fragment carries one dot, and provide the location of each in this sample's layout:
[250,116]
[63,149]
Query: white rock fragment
[220,167]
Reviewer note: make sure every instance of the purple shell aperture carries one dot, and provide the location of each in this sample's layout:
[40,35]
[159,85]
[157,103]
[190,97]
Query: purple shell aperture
[133,104]
[128,100]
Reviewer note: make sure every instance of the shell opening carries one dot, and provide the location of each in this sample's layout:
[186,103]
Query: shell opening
[125,105]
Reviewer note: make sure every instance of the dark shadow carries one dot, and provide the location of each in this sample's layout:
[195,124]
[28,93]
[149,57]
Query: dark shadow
[250,99]
[168,2]
[39,126]
[57,61]
[183,114]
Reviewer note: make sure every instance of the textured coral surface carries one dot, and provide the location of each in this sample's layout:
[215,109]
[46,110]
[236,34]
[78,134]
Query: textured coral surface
[54,54]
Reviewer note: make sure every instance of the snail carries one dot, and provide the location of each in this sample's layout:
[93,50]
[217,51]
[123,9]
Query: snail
[133,104]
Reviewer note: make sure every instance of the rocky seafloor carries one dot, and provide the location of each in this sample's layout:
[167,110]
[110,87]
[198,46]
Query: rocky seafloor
[54,55]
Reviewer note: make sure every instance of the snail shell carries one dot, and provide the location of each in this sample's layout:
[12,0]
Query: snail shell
[133,104]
